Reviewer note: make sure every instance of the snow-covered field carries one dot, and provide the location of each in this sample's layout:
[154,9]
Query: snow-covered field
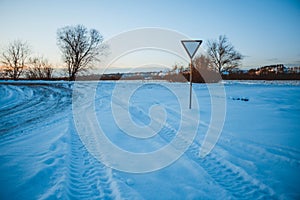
[42,155]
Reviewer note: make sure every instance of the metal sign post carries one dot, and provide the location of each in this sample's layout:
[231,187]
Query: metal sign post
[191,47]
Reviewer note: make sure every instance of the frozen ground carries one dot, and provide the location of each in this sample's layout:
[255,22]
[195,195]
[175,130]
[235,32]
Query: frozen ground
[256,157]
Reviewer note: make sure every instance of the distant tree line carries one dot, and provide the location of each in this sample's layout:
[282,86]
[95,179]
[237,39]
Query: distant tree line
[81,48]
[17,61]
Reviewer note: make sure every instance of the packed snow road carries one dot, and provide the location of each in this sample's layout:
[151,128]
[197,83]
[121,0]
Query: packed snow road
[43,154]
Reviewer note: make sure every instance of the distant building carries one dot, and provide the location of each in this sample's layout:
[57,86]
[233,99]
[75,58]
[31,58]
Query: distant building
[272,69]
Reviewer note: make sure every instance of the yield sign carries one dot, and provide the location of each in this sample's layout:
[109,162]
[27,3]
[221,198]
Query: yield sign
[191,46]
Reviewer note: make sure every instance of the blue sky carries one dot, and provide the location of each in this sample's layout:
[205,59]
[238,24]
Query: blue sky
[264,31]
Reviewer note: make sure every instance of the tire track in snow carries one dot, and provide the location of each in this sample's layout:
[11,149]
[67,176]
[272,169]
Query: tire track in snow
[234,179]
[85,175]
[32,135]
[88,178]
[24,104]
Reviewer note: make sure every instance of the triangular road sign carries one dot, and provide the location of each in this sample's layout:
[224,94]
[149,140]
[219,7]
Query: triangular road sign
[191,46]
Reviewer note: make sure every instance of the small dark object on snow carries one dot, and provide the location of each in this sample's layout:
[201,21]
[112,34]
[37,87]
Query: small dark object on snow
[240,99]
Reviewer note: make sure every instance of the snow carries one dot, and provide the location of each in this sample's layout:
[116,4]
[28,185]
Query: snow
[49,147]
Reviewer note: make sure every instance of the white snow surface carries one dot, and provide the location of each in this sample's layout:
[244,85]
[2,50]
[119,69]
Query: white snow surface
[256,157]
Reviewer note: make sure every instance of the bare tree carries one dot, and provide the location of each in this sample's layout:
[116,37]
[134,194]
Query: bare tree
[14,57]
[79,47]
[223,55]
[39,68]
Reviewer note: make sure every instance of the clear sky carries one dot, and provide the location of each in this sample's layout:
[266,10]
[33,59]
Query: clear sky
[264,31]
